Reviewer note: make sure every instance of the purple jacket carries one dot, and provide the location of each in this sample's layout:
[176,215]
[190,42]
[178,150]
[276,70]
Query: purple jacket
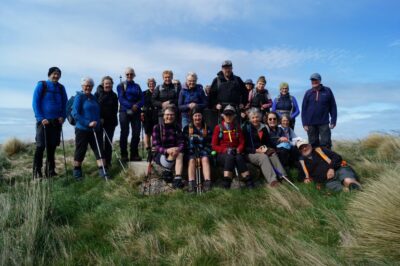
[167,136]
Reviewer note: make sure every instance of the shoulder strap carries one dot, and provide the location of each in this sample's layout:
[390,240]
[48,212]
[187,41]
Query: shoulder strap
[44,88]
[303,165]
[190,129]
[221,131]
[323,155]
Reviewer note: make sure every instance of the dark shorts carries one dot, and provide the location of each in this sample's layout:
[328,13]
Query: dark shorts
[336,184]
[84,138]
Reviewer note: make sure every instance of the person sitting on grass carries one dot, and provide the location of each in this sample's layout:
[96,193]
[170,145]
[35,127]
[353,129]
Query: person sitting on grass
[324,166]
[168,144]
[259,148]
[228,142]
[198,145]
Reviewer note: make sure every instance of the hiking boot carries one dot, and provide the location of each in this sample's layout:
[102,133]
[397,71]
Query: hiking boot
[207,185]
[274,184]
[167,176]
[77,173]
[177,183]
[136,158]
[226,183]
[51,173]
[103,173]
[191,186]
[37,173]
[354,186]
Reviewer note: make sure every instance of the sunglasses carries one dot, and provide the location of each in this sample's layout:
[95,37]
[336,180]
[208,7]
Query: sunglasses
[272,119]
[129,74]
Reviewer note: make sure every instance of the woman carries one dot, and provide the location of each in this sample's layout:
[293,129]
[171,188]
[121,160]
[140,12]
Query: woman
[191,97]
[259,97]
[228,142]
[168,143]
[198,145]
[86,112]
[150,116]
[278,138]
[286,104]
[165,94]
[108,101]
[259,148]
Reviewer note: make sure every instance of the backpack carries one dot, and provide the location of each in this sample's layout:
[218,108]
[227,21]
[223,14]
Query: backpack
[69,106]
[44,90]
[221,131]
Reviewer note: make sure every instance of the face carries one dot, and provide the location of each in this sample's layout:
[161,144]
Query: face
[197,118]
[285,122]
[227,70]
[255,120]
[87,88]
[272,120]
[260,85]
[315,83]
[169,117]
[229,118]
[167,79]
[249,86]
[305,150]
[107,85]
[284,90]
[151,85]
[129,75]
[191,82]
[55,76]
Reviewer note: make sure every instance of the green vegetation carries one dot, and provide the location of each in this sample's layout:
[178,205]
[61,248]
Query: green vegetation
[63,222]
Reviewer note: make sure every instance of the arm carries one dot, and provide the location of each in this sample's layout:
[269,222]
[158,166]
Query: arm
[213,94]
[115,104]
[203,98]
[296,109]
[182,107]
[215,141]
[243,92]
[304,118]
[333,110]
[156,139]
[37,102]
[247,139]
[273,109]
[181,140]
[77,111]
[268,103]
[64,103]
[123,100]
[155,98]
[336,159]
[140,102]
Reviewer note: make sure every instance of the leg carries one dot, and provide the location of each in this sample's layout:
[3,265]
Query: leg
[264,163]
[228,163]
[292,123]
[313,136]
[99,154]
[124,123]
[179,165]
[191,169]
[244,172]
[277,164]
[205,163]
[136,128]
[107,145]
[81,142]
[325,133]
[284,156]
[40,146]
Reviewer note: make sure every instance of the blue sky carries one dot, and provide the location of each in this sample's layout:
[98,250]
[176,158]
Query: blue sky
[355,45]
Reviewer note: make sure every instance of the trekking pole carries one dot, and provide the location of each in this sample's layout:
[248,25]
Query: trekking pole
[286,179]
[63,145]
[237,175]
[142,138]
[98,150]
[199,186]
[47,170]
[115,152]
[148,173]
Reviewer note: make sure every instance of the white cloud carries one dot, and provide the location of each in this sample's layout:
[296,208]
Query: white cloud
[395,43]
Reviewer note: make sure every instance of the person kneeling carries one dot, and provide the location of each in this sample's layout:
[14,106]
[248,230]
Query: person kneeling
[259,148]
[168,145]
[198,137]
[324,166]
[228,142]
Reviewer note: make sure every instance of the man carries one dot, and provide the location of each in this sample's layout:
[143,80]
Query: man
[319,113]
[130,98]
[49,105]
[326,167]
[227,89]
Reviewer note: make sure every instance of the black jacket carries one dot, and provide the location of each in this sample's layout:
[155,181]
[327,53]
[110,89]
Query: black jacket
[318,167]
[164,93]
[252,139]
[108,102]
[232,91]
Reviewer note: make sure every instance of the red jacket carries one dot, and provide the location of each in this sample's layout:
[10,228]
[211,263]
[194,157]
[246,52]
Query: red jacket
[236,139]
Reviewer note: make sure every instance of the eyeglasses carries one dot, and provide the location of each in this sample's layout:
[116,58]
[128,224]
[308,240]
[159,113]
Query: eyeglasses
[169,114]
[129,74]
[272,119]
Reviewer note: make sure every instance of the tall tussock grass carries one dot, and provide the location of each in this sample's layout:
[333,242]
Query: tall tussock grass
[376,215]
[13,146]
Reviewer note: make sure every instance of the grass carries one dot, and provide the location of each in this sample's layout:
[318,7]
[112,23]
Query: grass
[62,222]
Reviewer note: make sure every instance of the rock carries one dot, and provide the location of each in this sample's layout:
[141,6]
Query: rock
[138,168]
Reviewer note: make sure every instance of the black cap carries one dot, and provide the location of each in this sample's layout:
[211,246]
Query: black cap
[52,70]
[227,63]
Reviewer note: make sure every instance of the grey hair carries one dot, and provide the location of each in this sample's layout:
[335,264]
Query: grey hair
[285,116]
[191,74]
[129,69]
[253,111]
[87,79]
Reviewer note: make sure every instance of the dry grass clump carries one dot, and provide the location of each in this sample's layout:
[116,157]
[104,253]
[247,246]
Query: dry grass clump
[13,146]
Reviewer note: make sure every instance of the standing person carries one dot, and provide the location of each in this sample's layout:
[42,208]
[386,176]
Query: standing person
[227,89]
[49,105]
[86,112]
[249,87]
[191,97]
[228,141]
[130,98]
[286,104]
[108,101]
[259,97]
[168,143]
[165,94]
[150,115]
[319,113]
[198,143]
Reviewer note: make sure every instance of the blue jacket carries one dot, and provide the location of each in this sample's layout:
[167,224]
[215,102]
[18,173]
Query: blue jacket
[85,110]
[50,103]
[286,103]
[195,95]
[133,95]
[318,105]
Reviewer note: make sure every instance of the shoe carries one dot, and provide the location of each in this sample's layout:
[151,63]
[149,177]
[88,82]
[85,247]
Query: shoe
[37,173]
[207,185]
[77,173]
[191,186]
[250,184]
[52,173]
[226,183]
[354,186]
[136,158]
[177,183]
[274,184]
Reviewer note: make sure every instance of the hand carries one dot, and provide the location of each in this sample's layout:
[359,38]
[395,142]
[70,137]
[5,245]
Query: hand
[61,120]
[192,105]
[142,117]
[134,108]
[45,122]
[93,124]
[307,180]
[218,106]
[262,149]
[305,128]
[283,139]
[332,126]
[270,151]
[330,174]
[165,104]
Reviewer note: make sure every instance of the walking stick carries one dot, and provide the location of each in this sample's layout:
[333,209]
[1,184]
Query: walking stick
[284,177]
[47,170]
[199,185]
[115,152]
[98,150]
[63,145]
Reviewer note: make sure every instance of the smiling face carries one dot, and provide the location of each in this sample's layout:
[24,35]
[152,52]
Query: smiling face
[167,78]
[305,150]
[191,82]
[315,83]
[107,85]
[272,120]
[255,120]
[129,75]
[284,90]
[169,117]
[87,88]
[55,76]
[197,119]
[260,86]
[151,85]
[285,122]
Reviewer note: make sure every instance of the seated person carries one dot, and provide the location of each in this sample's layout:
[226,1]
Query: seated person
[324,166]
[259,148]
[287,146]
[168,144]
[278,139]
[228,142]
[198,146]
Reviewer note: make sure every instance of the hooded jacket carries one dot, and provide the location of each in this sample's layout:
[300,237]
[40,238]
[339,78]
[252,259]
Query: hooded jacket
[131,96]
[85,110]
[223,91]
[195,95]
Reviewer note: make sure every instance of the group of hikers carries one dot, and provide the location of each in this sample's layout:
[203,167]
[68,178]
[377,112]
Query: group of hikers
[230,123]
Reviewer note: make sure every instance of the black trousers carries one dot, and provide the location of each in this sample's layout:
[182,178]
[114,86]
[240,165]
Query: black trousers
[83,138]
[47,138]
[229,162]
[320,136]
[134,121]
[107,147]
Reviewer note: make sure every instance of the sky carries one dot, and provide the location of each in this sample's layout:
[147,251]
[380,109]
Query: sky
[354,45]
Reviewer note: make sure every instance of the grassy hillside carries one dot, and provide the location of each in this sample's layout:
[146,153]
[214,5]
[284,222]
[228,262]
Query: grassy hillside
[62,222]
